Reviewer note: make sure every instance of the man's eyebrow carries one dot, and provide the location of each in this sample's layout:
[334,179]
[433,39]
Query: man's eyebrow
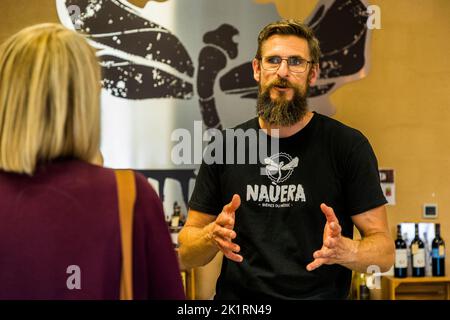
[297,56]
[292,56]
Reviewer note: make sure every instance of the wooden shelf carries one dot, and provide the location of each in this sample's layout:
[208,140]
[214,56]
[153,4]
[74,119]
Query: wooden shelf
[412,288]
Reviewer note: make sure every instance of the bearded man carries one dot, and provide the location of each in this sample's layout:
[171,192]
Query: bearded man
[288,233]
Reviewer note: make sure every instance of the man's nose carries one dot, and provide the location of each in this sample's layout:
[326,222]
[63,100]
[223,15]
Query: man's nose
[283,70]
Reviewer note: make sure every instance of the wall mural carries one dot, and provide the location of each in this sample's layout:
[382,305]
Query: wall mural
[175,62]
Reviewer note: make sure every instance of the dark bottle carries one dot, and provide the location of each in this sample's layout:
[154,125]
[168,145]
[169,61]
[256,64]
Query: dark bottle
[417,255]
[175,222]
[182,216]
[408,253]
[364,292]
[401,255]
[438,253]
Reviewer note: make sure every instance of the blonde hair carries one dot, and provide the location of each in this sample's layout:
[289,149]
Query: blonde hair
[49,98]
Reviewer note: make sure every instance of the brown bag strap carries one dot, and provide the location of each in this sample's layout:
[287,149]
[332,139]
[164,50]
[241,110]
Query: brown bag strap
[126,192]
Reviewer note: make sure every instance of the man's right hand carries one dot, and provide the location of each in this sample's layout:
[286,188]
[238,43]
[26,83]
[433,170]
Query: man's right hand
[222,233]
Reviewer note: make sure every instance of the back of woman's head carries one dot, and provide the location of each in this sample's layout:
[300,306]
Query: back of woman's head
[49,98]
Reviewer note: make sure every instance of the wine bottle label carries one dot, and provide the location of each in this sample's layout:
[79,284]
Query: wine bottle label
[414,248]
[401,260]
[438,252]
[419,259]
[175,221]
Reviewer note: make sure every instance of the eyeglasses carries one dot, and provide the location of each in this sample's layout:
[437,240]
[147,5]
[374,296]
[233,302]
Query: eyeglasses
[295,64]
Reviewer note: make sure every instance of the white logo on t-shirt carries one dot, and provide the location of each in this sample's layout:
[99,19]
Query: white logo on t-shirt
[279,167]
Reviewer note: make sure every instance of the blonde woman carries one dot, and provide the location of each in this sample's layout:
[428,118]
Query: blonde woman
[59,230]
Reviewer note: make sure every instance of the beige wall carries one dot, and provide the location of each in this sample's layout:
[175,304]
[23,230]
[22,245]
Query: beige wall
[17,14]
[403,106]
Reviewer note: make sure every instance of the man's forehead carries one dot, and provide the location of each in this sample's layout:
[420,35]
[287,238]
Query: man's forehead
[286,45]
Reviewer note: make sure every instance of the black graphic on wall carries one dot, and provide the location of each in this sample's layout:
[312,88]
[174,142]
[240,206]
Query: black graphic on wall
[212,59]
[342,32]
[142,59]
[182,176]
[147,61]
[142,49]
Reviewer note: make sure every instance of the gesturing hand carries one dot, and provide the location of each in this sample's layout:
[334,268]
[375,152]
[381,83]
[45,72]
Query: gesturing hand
[334,246]
[223,233]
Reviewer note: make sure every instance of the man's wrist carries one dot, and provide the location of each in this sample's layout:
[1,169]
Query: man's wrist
[352,250]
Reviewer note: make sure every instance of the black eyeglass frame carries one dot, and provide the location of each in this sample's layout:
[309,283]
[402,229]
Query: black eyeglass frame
[287,61]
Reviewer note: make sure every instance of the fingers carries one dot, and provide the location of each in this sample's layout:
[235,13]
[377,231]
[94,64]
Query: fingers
[228,248]
[329,213]
[332,235]
[315,264]
[335,229]
[330,242]
[233,256]
[225,220]
[227,245]
[328,254]
[226,217]
[224,233]
[233,205]
[324,253]
[321,257]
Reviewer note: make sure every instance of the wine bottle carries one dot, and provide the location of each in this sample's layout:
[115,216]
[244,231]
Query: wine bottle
[408,253]
[417,255]
[354,294]
[175,216]
[175,224]
[182,220]
[438,253]
[401,258]
[364,292]
[427,254]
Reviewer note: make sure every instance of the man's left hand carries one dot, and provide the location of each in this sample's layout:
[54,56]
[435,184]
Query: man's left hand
[335,247]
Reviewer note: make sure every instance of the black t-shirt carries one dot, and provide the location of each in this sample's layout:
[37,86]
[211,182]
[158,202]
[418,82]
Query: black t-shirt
[279,224]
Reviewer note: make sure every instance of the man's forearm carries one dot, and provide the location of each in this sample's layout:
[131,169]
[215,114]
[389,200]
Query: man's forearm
[196,248]
[374,250]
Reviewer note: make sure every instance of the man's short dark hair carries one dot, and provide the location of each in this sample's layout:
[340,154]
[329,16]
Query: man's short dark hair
[287,28]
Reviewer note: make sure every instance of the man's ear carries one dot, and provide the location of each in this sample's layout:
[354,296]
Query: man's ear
[256,70]
[314,74]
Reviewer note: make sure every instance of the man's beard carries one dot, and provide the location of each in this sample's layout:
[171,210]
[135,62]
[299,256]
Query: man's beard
[280,111]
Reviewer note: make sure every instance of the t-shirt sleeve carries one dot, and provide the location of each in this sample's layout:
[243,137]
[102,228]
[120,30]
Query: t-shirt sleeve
[362,188]
[206,197]
[156,274]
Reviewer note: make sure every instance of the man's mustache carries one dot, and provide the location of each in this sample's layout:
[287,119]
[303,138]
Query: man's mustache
[280,83]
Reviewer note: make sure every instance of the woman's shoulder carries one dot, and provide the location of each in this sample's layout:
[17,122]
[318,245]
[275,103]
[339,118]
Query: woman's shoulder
[143,186]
